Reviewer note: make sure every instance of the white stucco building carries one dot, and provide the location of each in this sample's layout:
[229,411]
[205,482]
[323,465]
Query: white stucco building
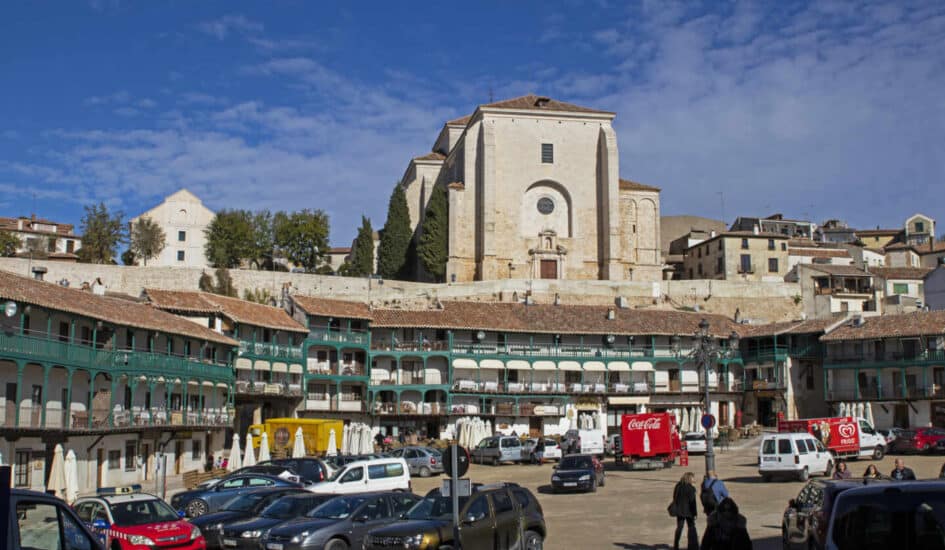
[184,219]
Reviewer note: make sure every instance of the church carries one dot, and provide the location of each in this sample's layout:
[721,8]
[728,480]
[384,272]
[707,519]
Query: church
[534,192]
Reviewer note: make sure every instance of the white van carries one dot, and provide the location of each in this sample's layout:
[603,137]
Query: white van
[793,454]
[379,474]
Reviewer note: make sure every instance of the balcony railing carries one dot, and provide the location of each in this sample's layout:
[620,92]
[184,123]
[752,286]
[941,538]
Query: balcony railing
[409,407]
[269,350]
[897,357]
[31,417]
[410,345]
[339,337]
[629,387]
[932,391]
[565,351]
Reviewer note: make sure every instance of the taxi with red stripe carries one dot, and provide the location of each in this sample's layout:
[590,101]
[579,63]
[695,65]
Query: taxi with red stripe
[123,518]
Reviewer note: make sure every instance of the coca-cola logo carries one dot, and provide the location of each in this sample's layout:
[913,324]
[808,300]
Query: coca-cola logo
[846,430]
[652,423]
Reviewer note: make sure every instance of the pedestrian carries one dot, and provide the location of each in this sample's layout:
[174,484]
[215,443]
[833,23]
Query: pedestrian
[540,451]
[379,441]
[941,475]
[209,465]
[901,473]
[683,508]
[842,472]
[871,472]
[713,492]
[726,529]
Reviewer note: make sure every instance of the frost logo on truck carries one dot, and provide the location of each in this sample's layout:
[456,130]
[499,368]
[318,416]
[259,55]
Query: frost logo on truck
[652,423]
[847,433]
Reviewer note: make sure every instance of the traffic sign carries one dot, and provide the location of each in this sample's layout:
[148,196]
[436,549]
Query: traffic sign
[708,421]
[462,461]
[464,487]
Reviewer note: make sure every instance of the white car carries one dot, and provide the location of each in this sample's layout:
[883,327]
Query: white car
[795,454]
[367,476]
[552,449]
[695,442]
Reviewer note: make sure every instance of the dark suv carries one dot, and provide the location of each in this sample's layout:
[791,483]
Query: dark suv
[311,470]
[805,520]
[502,515]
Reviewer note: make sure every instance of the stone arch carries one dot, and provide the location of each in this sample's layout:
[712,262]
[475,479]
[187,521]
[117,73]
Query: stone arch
[180,216]
[560,219]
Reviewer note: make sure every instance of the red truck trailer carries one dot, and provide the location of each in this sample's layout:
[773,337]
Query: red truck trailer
[647,441]
[843,436]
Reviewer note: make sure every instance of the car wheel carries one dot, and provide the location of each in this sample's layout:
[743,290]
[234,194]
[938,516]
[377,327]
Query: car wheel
[336,544]
[197,508]
[533,541]
[594,486]
[495,461]
[925,448]
[829,469]
[424,471]
[804,475]
[878,452]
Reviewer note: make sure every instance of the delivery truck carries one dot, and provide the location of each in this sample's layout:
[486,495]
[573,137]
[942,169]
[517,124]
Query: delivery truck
[281,434]
[843,436]
[647,441]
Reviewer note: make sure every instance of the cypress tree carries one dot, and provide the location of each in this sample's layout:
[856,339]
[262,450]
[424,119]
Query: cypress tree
[362,253]
[434,235]
[396,237]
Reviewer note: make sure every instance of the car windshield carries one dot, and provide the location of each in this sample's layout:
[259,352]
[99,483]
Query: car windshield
[891,519]
[575,463]
[695,437]
[139,512]
[337,508]
[286,508]
[434,506]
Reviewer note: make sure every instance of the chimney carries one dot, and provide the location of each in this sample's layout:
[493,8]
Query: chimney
[755,229]
[712,234]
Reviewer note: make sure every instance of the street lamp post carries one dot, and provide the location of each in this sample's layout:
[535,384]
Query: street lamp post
[706,351]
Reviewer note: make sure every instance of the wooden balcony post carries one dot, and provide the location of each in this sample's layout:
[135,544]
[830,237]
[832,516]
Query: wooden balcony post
[42,415]
[879,383]
[68,404]
[856,383]
[905,390]
[151,401]
[91,401]
[111,401]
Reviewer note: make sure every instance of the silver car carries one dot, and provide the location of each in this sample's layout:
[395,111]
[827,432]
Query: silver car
[422,461]
[498,449]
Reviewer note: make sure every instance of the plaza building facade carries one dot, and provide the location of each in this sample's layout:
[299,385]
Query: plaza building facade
[534,191]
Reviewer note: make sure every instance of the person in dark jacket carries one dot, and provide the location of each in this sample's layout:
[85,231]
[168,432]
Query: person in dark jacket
[842,472]
[941,475]
[901,473]
[540,451]
[719,492]
[684,510]
[726,529]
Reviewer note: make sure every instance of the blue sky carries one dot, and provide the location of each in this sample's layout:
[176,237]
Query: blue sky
[814,110]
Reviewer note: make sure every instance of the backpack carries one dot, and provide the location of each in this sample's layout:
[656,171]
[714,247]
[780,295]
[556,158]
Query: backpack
[707,497]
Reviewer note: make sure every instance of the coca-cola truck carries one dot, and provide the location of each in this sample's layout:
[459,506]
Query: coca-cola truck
[843,436]
[647,441]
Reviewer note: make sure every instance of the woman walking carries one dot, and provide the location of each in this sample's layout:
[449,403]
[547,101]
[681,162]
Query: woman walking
[683,508]
[842,471]
[871,472]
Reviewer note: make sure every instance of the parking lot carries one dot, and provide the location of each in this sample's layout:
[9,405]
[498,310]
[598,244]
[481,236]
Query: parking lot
[630,511]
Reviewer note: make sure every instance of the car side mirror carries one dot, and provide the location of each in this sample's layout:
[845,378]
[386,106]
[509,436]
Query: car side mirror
[181,514]
[360,518]
[100,524]
[470,519]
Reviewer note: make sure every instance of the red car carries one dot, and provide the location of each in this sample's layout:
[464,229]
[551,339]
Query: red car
[917,440]
[137,521]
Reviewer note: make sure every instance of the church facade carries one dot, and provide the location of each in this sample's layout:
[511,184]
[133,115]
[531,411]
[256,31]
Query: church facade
[534,193]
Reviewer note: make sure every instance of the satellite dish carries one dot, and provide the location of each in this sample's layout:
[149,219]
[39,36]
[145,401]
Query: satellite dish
[9,309]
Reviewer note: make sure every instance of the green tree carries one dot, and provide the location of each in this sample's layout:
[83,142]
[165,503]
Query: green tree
[231,239]
[224,283]
[9,243]
[101,233]
[147,239]
[325,269]
[128,257]
[205,283]
[362,251]
[259,295]
[395,238]
[302,237]
[263,242]
[433,249]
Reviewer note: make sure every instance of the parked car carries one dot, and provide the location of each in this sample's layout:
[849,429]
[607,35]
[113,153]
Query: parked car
[246,534]
[891,434]
[28,522]
[502,513]
[422,461]
[198,502]
[805,520]
[796,454]
[127,521]
[339,461]
[612,444]
[311,470]
[240,507]
[340,523]
[578,473]
[939,446]
[275,470]
[497,449]
[552,449]
[917,440]
[908,514]
[695,442]
[380,474]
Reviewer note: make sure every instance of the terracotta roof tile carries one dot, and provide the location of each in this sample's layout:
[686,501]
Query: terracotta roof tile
[630,185]
[532,102]
[241,311]
[332,308]
[818,252]
[916,273]
[110,310]
[810,326]
[461,121]
[920,323]
[431,156]
[839,270]
[339,250]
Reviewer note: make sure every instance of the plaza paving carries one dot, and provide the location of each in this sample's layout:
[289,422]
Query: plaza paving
[630,511]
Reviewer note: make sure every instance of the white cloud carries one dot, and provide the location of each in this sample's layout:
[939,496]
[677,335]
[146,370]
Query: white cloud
[220,28]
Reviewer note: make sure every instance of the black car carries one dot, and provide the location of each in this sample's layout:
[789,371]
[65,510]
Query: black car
[269,469]
[340,461]
[807,516]
[200,501]
[241,507]
[939,446]
[341,523]
[247,534]
[578,473]
[311,470]
[502,515]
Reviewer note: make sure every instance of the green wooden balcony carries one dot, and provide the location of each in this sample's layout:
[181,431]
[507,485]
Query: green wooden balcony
[273,352]
[888,360]
[338,337]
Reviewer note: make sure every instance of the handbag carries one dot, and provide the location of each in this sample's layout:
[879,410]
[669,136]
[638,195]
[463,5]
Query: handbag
[671,509]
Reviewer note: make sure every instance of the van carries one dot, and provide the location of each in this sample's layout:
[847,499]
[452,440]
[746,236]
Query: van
[367,476]
[498,449]
[795,454]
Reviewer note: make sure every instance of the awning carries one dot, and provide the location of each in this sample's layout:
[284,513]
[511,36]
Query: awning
[570,365]
[518,364]
[689,376]
[595,366]
[262,365]
[207,383]
[642,366]
[543,365]
[280,367]
[618,366]
[295,369]
[244,364]
[465,364]
[491,364]
[628,400]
